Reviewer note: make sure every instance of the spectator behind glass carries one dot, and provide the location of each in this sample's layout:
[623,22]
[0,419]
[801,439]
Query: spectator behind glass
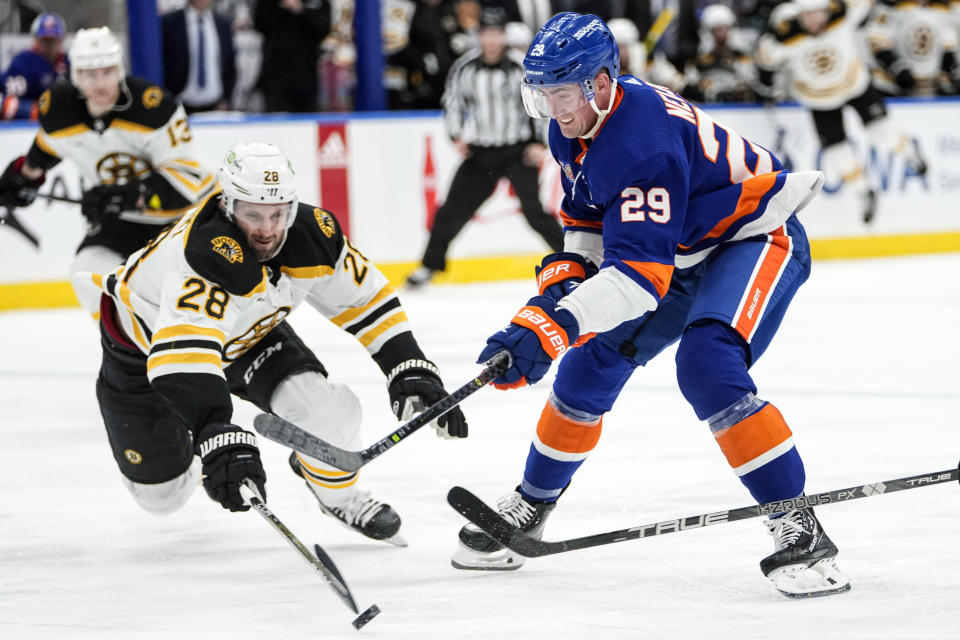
[33,71]
[417,55]
[292,31]
[723,70]
[198,57]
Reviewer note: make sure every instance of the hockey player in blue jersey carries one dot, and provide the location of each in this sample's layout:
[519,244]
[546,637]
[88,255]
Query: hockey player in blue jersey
[33,71]
[676,228]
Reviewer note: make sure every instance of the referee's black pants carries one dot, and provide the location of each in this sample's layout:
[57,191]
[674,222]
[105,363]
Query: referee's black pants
[473,183]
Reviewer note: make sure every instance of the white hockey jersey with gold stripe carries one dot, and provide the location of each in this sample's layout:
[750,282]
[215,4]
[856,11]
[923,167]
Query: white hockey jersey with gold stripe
[826,70]
[146,137]
[195,299]
[200,281]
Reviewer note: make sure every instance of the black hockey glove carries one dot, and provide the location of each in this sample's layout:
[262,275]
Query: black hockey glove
[905,80]
[15,190]
[229,454]
[110,200]
[560,273]
[414,385]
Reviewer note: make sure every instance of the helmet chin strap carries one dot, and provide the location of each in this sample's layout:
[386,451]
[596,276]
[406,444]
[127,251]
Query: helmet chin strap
[601,113]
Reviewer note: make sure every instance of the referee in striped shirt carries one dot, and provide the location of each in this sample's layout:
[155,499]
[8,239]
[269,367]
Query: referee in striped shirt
[487,122]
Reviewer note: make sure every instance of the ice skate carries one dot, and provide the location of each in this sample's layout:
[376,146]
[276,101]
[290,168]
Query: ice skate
[868,205]
[804,563]
[420,277]
[360,512]
[915,160]
[479,551]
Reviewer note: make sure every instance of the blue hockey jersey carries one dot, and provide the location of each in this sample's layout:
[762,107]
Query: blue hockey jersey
[25,80]
[664,184]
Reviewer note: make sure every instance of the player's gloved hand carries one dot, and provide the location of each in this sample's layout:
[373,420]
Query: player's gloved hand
[539,333]
[904,79]
[110,200]
[413,386]
[229,454]
[15,189]
[560,273]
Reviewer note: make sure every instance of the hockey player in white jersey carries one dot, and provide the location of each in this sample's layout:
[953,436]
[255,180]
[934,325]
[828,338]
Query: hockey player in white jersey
[915,46]
[824,56]
[199,314]
[130,141]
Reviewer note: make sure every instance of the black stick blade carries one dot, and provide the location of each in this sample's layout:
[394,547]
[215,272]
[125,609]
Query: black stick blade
[288,434]
[334,577]
[12,222]
[478,512]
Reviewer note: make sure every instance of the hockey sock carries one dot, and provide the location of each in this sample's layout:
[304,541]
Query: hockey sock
[565,437]
[758,444]
[760,450]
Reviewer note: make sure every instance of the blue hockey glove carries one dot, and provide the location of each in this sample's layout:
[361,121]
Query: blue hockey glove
[560,273]
[539,333]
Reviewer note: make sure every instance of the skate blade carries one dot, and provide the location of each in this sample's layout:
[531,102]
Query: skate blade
[470,560]
[396,540]
[822,578]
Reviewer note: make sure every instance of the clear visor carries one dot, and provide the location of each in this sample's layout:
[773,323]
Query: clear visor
[552,101]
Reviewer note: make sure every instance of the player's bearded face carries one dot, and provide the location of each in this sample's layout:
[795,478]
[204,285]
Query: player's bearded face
[263,225]
[101,88]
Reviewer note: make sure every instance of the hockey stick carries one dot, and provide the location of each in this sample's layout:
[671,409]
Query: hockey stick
[321,562]
[475,510]
[51,196]
[286,433]
[12,222]
[657,29]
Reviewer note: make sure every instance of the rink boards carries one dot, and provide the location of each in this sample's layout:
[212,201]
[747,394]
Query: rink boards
[384,174]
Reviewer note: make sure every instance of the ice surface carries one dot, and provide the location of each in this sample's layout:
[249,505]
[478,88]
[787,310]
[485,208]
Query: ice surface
[866,370]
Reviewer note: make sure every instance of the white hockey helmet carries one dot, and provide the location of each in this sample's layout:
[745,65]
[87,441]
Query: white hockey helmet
[810,5]
[717,15]
[624,31]
[95,49]
[257,172]
[519,35]
[783,12]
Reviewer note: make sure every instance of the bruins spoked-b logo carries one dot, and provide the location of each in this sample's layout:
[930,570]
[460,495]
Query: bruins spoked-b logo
[43,104]
[133,457]
[228,248]
[240,345]
[325,220]
[120,167]
[152,97]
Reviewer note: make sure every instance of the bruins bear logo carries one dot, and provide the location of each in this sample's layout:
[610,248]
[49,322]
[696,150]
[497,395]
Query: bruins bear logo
[152,97]
[325,220]
[228,248]
[43,104]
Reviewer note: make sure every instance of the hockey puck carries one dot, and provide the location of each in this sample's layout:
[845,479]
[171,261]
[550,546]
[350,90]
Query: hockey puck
[366,616]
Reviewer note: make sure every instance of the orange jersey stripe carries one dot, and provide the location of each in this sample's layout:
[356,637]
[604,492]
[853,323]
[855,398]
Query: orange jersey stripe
[752,190]
[753,436]
[775,256]
[559,432]
[584,147]
[658,274]
[574,222]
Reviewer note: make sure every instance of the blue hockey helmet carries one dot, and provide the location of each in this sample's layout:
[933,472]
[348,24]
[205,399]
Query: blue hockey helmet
[48,25]
[569,49]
